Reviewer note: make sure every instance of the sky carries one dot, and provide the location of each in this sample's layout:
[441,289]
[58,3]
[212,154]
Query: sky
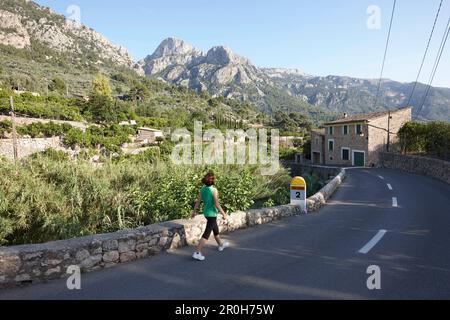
[321,37]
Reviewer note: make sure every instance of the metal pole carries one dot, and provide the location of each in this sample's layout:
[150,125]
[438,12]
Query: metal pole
[14,132]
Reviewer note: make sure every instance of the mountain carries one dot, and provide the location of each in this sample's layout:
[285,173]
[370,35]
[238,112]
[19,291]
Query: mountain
[351,95]
[24,22]
[222,72]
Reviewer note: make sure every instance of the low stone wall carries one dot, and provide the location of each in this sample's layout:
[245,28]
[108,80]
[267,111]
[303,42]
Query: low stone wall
[27,147]
[42,262]
[315,202]
[435,168]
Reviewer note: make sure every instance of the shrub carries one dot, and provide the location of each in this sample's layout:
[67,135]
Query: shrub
[430,138]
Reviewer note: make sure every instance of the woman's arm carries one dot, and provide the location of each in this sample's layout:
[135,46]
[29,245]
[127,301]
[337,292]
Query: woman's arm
[194,212]
[217,203]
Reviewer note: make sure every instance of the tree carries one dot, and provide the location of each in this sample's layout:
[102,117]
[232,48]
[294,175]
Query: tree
[101,108]
[58,85]
[101,86]
[139,92]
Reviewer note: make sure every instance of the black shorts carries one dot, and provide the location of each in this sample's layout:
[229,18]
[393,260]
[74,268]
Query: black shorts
[211,226]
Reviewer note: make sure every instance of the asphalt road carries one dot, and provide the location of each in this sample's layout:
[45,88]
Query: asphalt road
[313,256]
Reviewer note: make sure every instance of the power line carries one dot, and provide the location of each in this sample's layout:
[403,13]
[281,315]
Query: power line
[435,67]
[385,53]
[425,55]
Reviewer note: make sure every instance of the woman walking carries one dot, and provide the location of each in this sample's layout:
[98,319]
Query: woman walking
[210,197]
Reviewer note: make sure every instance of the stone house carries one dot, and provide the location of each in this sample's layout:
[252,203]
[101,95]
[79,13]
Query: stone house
[357,140]
[149,135]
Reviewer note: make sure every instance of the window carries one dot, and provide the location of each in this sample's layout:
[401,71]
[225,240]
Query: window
[345,130]
[345,154]
[359,129]
[330,131]
[330,145]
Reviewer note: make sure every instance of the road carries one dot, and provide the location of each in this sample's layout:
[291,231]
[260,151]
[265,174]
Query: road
[394,220]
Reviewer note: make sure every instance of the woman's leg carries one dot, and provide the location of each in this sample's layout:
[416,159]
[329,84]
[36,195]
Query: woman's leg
[201,244]
[217,233]
[209,228]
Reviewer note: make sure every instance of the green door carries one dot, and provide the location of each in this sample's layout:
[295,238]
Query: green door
[359,160]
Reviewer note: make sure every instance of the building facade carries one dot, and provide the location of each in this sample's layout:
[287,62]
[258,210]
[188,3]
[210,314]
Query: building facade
[357,140]
[149,135]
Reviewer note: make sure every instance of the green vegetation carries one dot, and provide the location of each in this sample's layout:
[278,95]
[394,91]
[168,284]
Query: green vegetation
[432,139]
[48,197]
[58,85]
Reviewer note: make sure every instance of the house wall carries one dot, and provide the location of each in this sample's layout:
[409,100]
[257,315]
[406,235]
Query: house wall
[149,135]
[317,145]
[351,141]
[378,133]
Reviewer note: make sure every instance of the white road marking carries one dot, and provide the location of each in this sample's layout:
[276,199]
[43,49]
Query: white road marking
[394,202]
[389,186]
[372,243]
[381,177]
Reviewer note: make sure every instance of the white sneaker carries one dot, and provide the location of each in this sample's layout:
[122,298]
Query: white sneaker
[224,246]
[198,256]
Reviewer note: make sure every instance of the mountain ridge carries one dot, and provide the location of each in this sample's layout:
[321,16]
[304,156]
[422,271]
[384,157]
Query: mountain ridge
[240,79]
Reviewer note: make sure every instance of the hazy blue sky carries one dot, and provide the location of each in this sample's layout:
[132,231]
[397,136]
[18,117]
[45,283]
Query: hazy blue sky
[321,37]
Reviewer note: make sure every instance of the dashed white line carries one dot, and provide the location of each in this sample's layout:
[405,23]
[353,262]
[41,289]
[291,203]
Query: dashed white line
[389,186]
[381,177]
[394,202]
[372,243]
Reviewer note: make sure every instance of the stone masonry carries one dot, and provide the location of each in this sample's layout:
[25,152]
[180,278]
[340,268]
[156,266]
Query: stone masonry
[435,168]
[27,147]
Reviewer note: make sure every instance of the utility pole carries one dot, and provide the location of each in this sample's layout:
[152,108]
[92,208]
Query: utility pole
[14,132]
[389,131]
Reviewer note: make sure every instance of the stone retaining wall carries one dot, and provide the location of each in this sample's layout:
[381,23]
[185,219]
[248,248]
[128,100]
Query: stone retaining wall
[435,168]
[42,262]
[27,147]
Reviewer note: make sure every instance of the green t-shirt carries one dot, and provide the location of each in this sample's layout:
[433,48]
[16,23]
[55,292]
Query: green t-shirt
[209,207]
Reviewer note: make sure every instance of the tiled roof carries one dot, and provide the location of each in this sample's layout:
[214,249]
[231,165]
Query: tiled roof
[364,117]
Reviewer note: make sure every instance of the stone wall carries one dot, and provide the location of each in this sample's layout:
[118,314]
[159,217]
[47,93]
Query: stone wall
[435,168]
[378,133]
[36,263]
[27,147]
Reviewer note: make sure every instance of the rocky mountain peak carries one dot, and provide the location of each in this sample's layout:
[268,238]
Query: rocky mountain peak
[173,47]
[222,55]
